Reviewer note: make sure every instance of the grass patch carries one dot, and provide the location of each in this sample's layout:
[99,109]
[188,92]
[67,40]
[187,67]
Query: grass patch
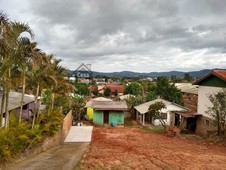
[128,122]
[154,130]
[79,166]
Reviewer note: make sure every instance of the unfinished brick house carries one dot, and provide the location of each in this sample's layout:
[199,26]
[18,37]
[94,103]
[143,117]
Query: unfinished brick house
[208,84]
[190,95]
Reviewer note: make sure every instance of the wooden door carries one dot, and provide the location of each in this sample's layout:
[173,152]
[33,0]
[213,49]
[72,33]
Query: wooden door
[106,117]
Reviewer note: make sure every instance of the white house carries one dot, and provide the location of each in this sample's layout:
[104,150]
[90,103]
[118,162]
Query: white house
[208,84]
[172,114]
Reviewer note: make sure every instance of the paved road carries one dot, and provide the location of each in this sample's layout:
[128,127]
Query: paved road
[64,157]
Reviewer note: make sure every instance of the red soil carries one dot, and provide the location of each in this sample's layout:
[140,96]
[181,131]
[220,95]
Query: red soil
[133,148]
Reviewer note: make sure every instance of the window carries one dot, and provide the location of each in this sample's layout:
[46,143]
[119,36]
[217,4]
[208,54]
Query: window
[164,115]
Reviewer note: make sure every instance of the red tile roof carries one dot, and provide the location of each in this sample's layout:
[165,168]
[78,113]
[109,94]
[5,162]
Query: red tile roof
[115,87]
[92,88]
[218,73]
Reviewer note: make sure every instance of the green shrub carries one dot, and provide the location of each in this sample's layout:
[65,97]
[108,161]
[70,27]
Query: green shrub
[18,137]
[51,122]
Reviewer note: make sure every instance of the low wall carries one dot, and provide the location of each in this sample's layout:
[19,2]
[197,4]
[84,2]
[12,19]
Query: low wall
[48,143]
[67,123]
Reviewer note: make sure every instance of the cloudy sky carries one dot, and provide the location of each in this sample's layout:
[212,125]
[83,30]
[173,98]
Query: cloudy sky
[128,35]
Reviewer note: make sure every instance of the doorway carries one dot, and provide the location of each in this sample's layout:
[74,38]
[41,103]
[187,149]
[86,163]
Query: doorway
[191,124]
[106,117]
[177,120]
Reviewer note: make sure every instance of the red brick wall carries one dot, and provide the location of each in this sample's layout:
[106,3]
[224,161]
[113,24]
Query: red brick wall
[191,101]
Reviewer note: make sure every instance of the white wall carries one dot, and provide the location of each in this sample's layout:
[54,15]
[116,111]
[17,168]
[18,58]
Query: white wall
[168,110]
[203,100]
[167,121]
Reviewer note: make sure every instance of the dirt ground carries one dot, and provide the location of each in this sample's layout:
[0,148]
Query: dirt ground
[133,148]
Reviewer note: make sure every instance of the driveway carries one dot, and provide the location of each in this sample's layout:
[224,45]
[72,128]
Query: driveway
[79,134]
[64,157]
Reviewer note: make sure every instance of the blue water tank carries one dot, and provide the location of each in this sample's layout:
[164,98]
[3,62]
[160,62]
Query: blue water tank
[113,124]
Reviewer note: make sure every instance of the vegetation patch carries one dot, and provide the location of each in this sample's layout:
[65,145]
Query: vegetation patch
[154,130]
[128,122]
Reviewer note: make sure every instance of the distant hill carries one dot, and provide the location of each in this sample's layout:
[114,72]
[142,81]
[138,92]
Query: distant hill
[131,74]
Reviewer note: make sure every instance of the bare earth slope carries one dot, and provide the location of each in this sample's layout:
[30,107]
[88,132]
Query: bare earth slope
[132,148]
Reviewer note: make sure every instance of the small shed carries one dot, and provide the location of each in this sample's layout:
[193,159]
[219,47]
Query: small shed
[109,112]
[88,106]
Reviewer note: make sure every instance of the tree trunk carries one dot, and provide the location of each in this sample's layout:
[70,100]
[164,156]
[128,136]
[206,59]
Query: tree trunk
[52,102]
[6,109]
[2,106]
[35,109]
[218,125]
[7,100]
[22,97]
[162,122]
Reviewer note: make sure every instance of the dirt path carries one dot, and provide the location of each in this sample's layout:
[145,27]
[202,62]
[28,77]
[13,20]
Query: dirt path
[133,148]
[64,157]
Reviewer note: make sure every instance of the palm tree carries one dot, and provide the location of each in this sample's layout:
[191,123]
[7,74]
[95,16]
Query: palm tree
[29,56]
[10,33]
[38,71]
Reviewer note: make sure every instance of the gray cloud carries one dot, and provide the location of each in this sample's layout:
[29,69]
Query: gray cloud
[147,35]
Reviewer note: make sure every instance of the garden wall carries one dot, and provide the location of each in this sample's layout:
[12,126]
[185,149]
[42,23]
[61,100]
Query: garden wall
[67,123]
[49,142]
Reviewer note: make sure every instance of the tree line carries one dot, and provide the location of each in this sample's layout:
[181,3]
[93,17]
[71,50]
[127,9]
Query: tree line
[25,67]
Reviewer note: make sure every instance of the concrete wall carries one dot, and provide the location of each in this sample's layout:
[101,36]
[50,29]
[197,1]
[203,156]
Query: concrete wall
[205,126]
[203,100]
[201,126]
[48,143]
[67,123]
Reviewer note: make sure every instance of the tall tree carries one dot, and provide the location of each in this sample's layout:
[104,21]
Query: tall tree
[107,92]
[83,89]
[27,53]
[187,77]
[168,91]
[218,110]
[154,112]
[134,88]
[10,52]
[133,101]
